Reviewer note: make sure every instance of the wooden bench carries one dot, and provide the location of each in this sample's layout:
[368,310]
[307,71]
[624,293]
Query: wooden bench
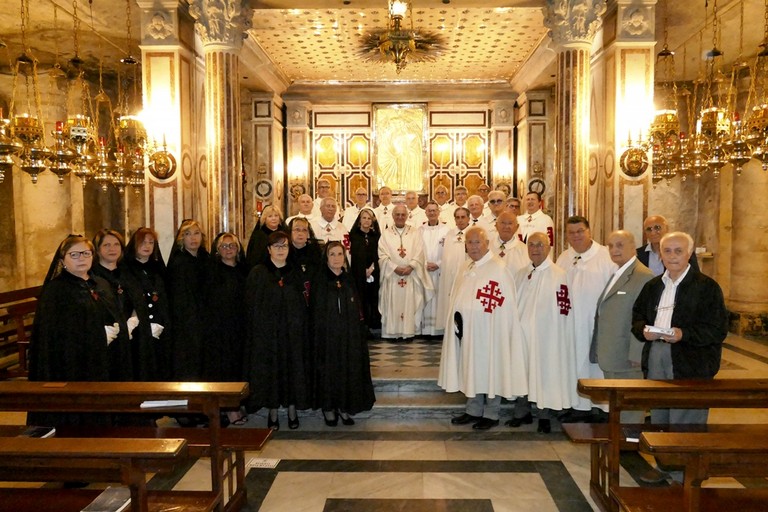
[222,445]
[24,459]
[703,455]
[17,310]
[608,440]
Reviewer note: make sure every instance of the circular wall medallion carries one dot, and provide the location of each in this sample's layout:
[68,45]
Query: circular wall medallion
[263,189]
[537,185]
[162,164]
[634,162]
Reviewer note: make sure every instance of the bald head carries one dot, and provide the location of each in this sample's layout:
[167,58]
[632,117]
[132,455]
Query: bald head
[621,246]
[506,225]
[538,247]
[475,205]
[399,215]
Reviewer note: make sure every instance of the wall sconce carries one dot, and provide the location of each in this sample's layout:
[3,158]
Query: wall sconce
[297,175]
[502,174]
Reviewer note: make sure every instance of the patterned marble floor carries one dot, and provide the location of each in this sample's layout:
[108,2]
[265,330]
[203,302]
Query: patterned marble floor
[425,464]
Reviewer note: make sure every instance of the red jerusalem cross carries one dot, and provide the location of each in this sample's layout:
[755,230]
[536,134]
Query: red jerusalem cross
[401,252]
[563,301]
[402,282]
[490,296]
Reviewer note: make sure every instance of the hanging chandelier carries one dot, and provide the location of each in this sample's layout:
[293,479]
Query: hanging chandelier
[398,45]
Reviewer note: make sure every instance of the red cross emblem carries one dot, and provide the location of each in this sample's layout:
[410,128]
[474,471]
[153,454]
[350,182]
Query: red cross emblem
[402,282]
[563,301]
[401,252]
[345,241]
[490,296]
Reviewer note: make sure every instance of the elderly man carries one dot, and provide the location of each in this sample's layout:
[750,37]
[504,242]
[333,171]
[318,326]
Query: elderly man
[416,215]
[496,205]
[545,306]
[327,227]
[433,234]
[323,191]
[446,208]
[475,206]
[506,245]
[351,213]
[589,268]
[305,209]
[384,210]
[613,347]
[454,256]
[405,285]
[483,354]
[681,318]
[534,219]
[483,190]
[656,227]
[460,195]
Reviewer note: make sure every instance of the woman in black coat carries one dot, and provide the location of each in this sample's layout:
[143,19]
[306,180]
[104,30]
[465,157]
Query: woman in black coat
[364,248]
[226,312]
[341,364]
[187,267]
[151,339]
[277,352]
[271,220]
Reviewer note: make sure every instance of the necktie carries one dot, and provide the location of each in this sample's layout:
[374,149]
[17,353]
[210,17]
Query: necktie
[474,221]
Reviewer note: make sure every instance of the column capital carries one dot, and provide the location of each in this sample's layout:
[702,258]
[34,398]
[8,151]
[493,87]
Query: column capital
[573,22]
[636,20]
[297,114]
[221,22]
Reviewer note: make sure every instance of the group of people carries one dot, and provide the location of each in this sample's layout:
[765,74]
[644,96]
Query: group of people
[292,314]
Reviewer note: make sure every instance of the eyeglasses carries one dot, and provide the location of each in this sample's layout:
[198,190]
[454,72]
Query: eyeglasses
[75,255]
[655,228]
[495,201]
[228,246]
[280,246]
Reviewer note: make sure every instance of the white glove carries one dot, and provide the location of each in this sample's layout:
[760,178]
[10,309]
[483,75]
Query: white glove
[112,332]
[157,330]
[132,322]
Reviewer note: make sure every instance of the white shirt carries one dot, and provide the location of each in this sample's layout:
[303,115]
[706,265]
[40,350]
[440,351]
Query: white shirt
[666,305]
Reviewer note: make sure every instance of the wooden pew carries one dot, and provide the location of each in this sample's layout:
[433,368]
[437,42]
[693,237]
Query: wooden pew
[208,398]
[17,309]
[641,394]
[703,455]
[24,459]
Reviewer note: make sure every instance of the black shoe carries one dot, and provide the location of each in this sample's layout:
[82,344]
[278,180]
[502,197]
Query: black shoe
[545,427]
[464,419]
[598,416]
[331,421]
[348,421]
[652,476]
[516,422]
[485,424]
[293,423]
[274,425]
[575,416]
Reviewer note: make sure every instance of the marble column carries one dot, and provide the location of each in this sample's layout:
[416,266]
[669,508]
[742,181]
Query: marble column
[221,27]
[297,141]
[573,25]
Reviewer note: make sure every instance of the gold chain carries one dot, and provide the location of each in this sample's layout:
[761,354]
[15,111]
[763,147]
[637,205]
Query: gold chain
[75,27]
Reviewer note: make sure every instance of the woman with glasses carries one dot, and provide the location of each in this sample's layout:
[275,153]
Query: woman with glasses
[75,323]
[341,363]
[276,354]
[150,343]
[225,312]
[187,267]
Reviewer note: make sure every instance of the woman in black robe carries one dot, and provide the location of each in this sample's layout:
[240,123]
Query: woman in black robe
[341,364]
[364,248]
[75,322]
[226,320]
[187,267]
[109,248]
[150,344]
[277,352]
[304,253]
[271,220]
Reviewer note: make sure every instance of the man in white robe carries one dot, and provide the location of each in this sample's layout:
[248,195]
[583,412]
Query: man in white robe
[534,219]
[323,191]
[384,210]
[483,353]
[305,209]
[327,227]
[483,190]
[351,213]
[433,233]
[547,321]
[496,205]
[416,215]
[476,217]
[506,245]
[589,267]
[446,208]
[454,256]
[405,284]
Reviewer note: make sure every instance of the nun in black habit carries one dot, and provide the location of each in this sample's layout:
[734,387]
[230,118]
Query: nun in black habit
[187,266]
[151,339]
[277,352]
[342,371]
[75,323]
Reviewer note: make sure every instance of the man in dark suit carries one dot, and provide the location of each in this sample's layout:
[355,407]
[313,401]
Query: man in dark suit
[656,227]
[614,347]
